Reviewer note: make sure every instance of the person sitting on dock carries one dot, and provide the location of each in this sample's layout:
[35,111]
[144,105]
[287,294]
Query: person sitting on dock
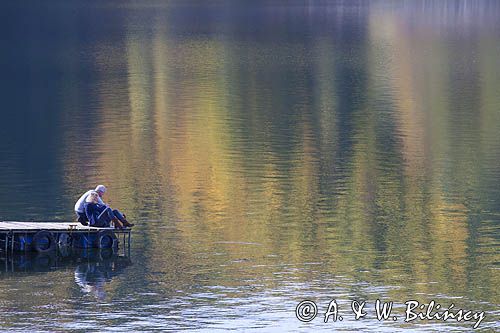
[79,206]
[100,215]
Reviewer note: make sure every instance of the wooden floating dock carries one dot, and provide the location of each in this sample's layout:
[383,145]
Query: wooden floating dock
[47,236]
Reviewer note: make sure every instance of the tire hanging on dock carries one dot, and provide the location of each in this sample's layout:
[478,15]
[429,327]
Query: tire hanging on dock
[105,239]
[43,241]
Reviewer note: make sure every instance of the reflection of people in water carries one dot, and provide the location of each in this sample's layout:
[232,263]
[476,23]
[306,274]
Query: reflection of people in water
[93,276]
[94,268]
[91,279]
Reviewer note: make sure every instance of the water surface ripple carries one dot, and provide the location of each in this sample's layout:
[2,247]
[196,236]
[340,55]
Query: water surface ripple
[267,153]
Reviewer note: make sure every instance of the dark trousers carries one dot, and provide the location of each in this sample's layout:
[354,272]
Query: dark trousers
[82,218]
[107,215]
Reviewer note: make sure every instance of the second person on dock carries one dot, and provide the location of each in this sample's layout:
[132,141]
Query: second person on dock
[100,215]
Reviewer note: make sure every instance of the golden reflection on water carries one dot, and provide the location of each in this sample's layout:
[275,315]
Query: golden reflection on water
[189,161]
[233,159]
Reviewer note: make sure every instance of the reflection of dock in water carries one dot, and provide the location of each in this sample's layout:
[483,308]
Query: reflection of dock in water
[93,268]
[61,259]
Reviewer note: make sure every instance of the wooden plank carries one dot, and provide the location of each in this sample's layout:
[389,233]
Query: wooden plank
[54,226]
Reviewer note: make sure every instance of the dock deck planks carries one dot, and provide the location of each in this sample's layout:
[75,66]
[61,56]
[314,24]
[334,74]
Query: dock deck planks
[7,226]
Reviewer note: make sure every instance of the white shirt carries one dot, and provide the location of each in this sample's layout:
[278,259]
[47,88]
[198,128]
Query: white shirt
[79,204]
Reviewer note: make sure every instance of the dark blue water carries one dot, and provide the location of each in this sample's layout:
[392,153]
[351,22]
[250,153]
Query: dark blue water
[268,153]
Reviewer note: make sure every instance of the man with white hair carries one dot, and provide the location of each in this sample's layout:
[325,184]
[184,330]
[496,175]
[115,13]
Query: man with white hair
[79,206]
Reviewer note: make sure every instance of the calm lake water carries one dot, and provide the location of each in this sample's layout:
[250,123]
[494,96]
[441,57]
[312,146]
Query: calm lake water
[268,154]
